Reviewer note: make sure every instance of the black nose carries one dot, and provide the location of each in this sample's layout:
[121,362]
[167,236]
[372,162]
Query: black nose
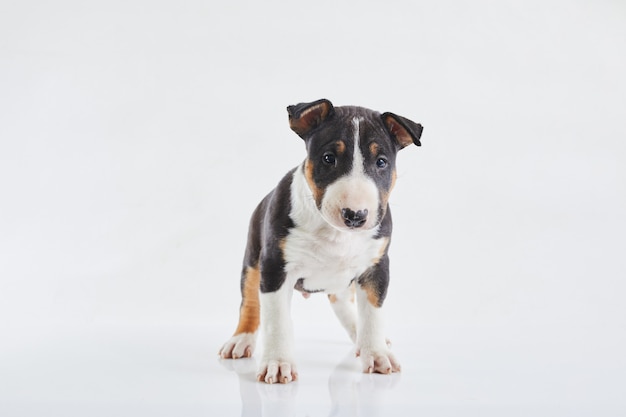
[352,218]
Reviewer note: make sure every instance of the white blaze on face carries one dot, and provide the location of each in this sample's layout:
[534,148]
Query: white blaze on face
[356,191]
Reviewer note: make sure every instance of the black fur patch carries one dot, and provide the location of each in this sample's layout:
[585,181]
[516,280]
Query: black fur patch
[269,225]
[376,281]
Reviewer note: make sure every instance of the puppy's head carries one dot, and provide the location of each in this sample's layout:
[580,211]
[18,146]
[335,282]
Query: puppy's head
[351,159]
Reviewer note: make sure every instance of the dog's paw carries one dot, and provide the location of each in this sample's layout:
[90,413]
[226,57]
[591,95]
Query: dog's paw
[277,370]
[238,346]
[381,361]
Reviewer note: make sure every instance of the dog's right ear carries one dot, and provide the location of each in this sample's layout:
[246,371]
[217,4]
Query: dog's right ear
[305,117]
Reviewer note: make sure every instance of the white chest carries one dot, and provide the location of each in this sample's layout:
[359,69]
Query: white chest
[327,259]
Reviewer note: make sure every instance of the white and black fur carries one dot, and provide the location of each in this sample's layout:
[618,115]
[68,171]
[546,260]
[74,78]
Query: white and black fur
[326,228]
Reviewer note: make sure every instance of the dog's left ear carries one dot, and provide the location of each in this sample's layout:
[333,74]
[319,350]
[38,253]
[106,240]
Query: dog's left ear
[402,130]
[305,117]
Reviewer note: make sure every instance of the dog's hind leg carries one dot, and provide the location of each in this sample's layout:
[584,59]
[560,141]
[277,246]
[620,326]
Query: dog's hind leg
[343,305]
[241,344]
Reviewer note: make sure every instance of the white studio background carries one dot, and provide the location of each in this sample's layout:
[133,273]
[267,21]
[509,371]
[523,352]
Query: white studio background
[136,138]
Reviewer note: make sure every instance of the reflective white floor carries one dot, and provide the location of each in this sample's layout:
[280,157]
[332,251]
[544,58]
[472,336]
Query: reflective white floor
[137,136]
[133,371]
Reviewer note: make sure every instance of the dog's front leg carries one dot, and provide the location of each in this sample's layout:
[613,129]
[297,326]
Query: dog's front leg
[372,345]
[343,305]
[277,364]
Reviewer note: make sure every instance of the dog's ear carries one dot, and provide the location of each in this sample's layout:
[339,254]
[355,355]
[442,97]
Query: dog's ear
[402,130]
[305,117]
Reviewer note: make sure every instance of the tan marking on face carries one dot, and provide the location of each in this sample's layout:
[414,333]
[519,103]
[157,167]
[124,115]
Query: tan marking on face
[341,147]
[318,193]
[332,298]
[374,148]
[249,313]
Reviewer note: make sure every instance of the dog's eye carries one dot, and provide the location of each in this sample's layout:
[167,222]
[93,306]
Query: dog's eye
[329,159]
[381,163]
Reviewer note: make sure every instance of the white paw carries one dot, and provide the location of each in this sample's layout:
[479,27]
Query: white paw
[238,346]
[277,370]
[379,360]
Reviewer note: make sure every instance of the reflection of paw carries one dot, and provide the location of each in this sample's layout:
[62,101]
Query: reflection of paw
[378,360]
[276,400]
[277,370]
[238,346]
[241,367]
[278,394]
[371,384]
